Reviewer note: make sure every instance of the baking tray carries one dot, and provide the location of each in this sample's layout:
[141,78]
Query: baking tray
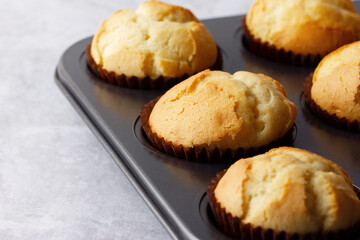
[174,188]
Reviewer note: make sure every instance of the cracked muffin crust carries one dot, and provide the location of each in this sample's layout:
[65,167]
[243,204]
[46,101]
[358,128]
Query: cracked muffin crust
[304,27]
[336,83]
[290,190]
[156,40]
[215,109]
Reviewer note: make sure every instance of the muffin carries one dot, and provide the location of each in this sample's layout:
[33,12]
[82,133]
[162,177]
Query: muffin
[300,31]
[333,91]
[286,193]
[214,116]
[155,46]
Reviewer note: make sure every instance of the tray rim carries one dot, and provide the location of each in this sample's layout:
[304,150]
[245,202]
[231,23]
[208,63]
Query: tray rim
[118,160]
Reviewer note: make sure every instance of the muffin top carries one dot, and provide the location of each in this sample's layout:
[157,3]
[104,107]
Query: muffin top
[291,190]
[216,109]
[157,39]
[304,26]
[336,82]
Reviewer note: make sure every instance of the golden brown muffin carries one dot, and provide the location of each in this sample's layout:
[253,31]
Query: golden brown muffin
[314,27]
[336,82]
[214,109]
[157,40]
[289,190]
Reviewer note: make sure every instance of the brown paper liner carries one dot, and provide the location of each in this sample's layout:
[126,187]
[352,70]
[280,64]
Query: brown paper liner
[270,52]
[139,83]
[200,153]
[233,226]
[325,116]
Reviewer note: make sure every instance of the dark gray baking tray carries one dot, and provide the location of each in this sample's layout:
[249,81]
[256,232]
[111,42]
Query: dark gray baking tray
[173,188]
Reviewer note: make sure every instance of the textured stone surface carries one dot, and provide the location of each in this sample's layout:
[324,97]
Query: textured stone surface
[56,179]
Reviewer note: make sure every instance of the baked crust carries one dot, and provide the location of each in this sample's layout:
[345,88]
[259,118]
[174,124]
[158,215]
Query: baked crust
[215,109]
[156,40]
[304,27]
[336,83]
[290,190]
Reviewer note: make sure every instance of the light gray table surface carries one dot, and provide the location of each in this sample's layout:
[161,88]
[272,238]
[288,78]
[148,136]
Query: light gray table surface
[56,179]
